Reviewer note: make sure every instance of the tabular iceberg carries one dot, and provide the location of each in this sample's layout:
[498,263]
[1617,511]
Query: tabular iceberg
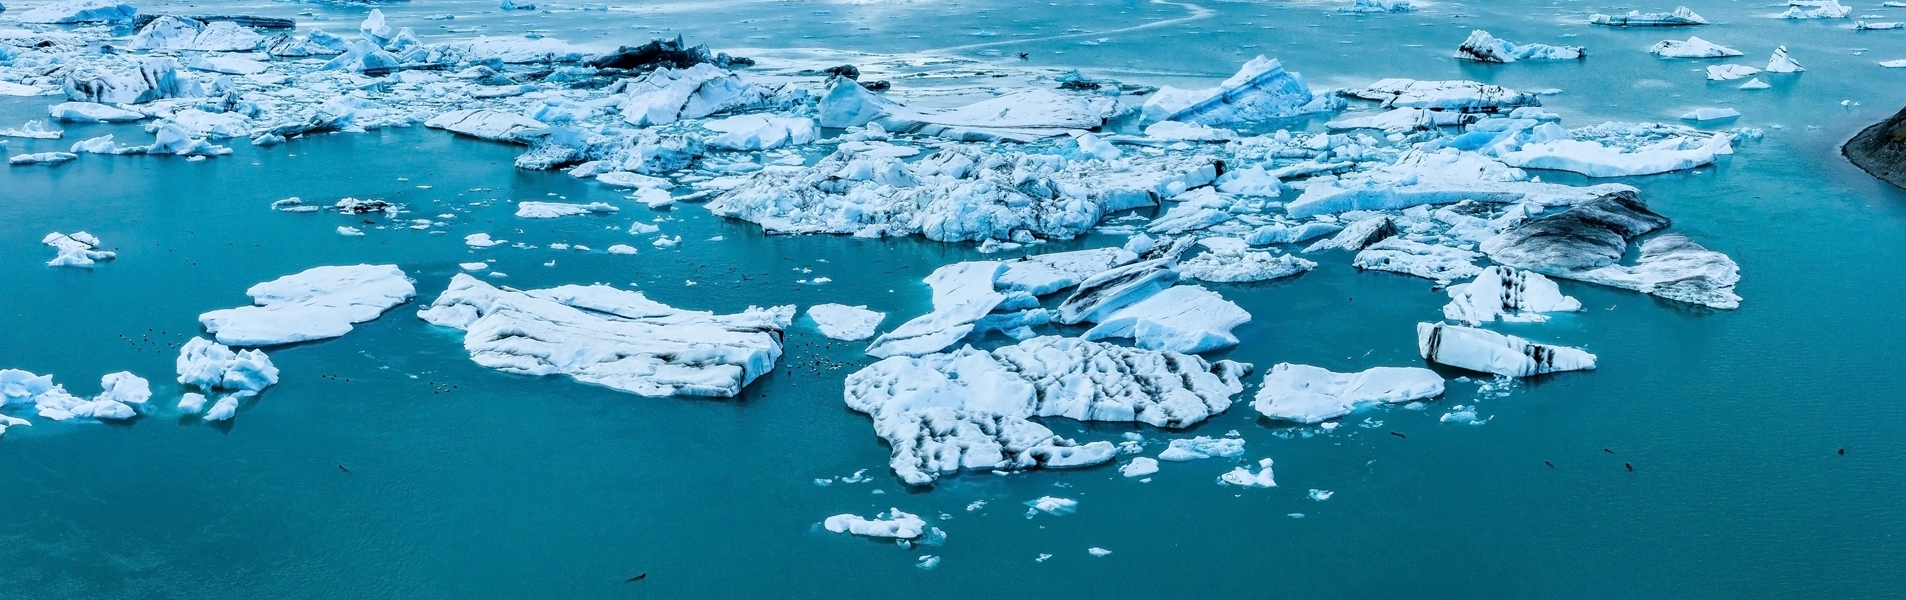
[1308,394]
[1261,90]
[315,304]
[891,524]
[617,339]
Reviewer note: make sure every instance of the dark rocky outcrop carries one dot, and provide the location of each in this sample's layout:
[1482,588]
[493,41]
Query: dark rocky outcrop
[1881,150]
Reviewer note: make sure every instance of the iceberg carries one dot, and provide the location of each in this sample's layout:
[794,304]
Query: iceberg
[230,65]
[1755,84]
[1403,120]
[760,132]
[1491,352]
[1674,267]
[1460,96]
[150,79]
[1694,47]
[1260,90]
[1681,16]
[609,337]
[963,293]
[667,95]
[1711,114]
[34,129]
[1781,63]
[1593,159]
[1019,116]
[1186,319]
[846,104]
[1102,294]
[843,322]
[1483,47]
[314,304]
[1044,274]
[1240,265]
[1307,394]
[489,124]
[1826,9]
[1730,72]
[970,409]
[1377,6]
[80,249]
[552,210]
[891,524]
[517,50]
[1506,294]
[1878,26]
[41,158]
[63,12]
[1587,236]
[1358,235]
[178,33]
[1202,447]
[1278,233]
[90,112]
[1243,477]
[1139,467]
[211,365]
[1441,264]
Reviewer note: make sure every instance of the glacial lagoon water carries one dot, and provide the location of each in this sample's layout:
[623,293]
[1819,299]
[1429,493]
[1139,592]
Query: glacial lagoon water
[517,487]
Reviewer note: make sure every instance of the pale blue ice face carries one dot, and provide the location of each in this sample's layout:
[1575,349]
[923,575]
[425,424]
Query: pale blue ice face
[465,482]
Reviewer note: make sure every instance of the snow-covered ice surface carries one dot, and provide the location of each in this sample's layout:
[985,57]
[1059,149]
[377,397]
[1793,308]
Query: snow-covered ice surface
[1483,47]
[314,304]
[1506,294]
[971,409]
[609,337]
[842,322]
[1307,394]
[891,524]
[1491,352]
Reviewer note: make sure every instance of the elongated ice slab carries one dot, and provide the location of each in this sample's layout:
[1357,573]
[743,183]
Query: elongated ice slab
[1506,294]
[1491,352]
[843,322]
[1308,394]
[315,304]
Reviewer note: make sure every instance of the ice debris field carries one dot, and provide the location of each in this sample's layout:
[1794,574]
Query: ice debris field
[1437,180]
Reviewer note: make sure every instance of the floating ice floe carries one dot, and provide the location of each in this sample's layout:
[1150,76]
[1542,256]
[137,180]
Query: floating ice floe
[1051,505]
[1711,114]
[1307,394]
[614,338]
[79,249]
[760,132]
[1878,25]
[179,33]
[1587,243]
[1755,84]
[1491,352]
[1261,90]
[1825,9]
[1730,72]
[1139,467]
[1506,294]
[210,366]
[1486,48]
[1202,447]
[1100,295]
[1674,267]
[970,409]
[1188,319]
[314,304]
[1377,6]
[668,95]
[1680,16]
[230,65]
[1405,120]
[1441,264]
[1044,274]
[1460,96]
[551,210]
[1239,264]
[122,393]
[891,524]
[963,294]
[1693,47]
[91,112]
[34,129]
[843,322]
[1018,116]
[1243,477]
[1894,64]
[78,11]
[126,81]
[1560,150]
[1781,63]
[8,88]
[41,158]
[489,124]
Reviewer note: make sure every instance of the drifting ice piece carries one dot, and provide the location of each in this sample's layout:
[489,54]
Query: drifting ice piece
[79,11]
[760,132]
[843,322]
[1729,72]
[211,365]
[667,95]
[1047,273]
[1116,288]
[1829,9]
[1694,47]
[1377,6]
[1441,264]
[1596,160]
[1711,114]
[1243,477]
[969,409]
[1461,96]
[602,335]
[1590,235]
[847,104]
[77,250]
[1680,17]
[1202,447]
[1308,394]
[1674,267]
[1506,294]
[1242,265]
[1486,48]
[89,112]
[154,78]
[490,125]
[1781,63]
[315,304]
[1491,352]
[892,524]
[962,294]
[1186,318]
[551,210]
[1260,90]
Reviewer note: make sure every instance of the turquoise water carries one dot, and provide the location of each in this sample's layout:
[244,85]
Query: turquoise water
[513,487]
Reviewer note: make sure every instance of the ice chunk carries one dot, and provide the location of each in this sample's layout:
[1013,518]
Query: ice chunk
[846,104]
[1052,506]
[517,50]
[178,33]
[1261,90]
[1674,267]
[1202,447]
[125,388]
[1405,120]
[314,304]
[1878,26]
[149,79]
[490,125]
[1491,352]
[1822,9]
[480,240]
[79,249]
[1377,6]
[551,210]
[1506,294]
[1285,234]
[1243,477]
[617,339]
[79,11]
[969,409]
[1781,63]
[1755,84]
[1590,235]
[667,95]
[1139,467]
[760,132]
[1188,319]
[1711,114]
[1441,264]
[1047,273]
[1729,72]
[1023,115]
[41,158]
[1594,159]
[191,403]
[211,365]
[363,56]
[1242,265]
[843,322]
[1308,394]
[1189,132]
[963,293]
[1693,47]
[893,524]
[1486,48]
[1681,16]
[233,65]
[89,112]
[1461,96]
[1357,236]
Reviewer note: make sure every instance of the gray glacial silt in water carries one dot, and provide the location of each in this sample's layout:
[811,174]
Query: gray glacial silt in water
[465,482]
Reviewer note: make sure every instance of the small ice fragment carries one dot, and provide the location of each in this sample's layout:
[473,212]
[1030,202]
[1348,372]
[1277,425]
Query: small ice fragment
[1097,551]
[1321,495]
[1052,506]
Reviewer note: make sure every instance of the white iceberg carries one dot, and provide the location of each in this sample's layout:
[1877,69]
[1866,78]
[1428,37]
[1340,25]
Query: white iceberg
[1261,90]
[552,210]
[1188,319]
[314,304]
[1239,265]
[1824,9]
[148,79]
[1781,63]
[1461,96]
[1243,477]
[1693,47]
[892,524]
[1506,294]
[843,322]
[1730,72]
[1441,264]
[760,132]
[489,125]
[79,11]
[211,365]
[79,249]
[1139,467]
[1307,394]
[92,112]
[1674,267]
[1377,6]
[1047,273]
[614,338]
[1202,447]
[1486,48]
[667,95]
[1491,352]
[1594,159]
